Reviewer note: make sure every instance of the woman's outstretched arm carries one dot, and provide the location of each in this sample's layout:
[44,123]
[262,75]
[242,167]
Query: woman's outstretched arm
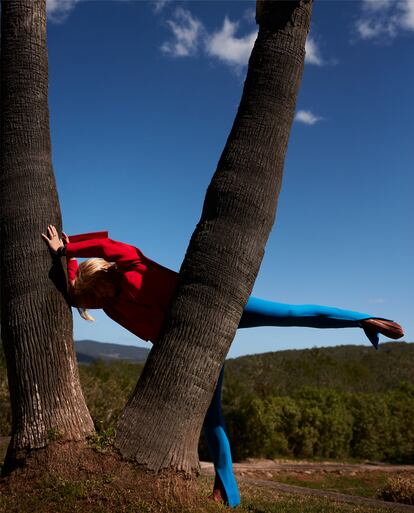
[92,245]
[110,250]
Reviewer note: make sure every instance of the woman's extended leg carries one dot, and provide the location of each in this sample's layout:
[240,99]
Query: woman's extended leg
[260,312]
[225,486]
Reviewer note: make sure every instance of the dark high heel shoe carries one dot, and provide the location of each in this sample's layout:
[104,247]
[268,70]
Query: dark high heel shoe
[387,328]
[219,493]
[216,496]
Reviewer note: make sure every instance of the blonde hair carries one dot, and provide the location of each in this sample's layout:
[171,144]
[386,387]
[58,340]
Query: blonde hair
[88,276]
[84,313]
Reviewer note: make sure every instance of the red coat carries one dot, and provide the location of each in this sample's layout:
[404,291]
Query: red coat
[147,288]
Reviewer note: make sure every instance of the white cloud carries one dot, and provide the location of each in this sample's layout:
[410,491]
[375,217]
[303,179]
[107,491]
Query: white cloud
[158,5]
[313,54]
[383,20]
[189,35]
[407,16]
[59,10]
[227,47]
[371,28]
[187,32]
[306,117]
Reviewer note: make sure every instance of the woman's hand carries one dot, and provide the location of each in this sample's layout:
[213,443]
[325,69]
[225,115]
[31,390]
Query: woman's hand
[65,238]
[52,239]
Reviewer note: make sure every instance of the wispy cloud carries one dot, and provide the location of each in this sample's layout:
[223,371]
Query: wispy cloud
[158,5]
[376,5]
[384,20]
[307,117]
[187,32]
[59,10]
[313,54]
[250,15]
[225,46]
[407,18]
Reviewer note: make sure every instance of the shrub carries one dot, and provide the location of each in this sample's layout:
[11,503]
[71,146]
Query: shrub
[398,489]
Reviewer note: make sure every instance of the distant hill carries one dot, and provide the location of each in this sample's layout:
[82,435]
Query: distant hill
[344,368]
[88,351]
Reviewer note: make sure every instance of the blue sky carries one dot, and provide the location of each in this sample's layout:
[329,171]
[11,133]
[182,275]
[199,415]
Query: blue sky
[142,97]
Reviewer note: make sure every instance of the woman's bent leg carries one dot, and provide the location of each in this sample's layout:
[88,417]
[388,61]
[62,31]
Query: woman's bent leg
[219,447]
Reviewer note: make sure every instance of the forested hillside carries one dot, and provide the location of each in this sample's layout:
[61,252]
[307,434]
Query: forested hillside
[343,368]
[339,402]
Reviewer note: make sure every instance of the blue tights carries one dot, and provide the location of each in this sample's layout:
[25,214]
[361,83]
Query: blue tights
[259,312]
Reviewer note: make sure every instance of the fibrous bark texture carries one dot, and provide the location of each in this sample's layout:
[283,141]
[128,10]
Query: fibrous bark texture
[160,426]
[36,322]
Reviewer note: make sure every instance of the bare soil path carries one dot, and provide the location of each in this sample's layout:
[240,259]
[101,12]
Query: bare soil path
[275,466]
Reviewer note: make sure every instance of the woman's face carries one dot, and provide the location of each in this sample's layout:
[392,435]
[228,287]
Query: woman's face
[104,288]
[88,301]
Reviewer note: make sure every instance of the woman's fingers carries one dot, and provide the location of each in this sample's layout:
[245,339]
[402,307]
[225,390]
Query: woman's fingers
[51,233]
[51,230]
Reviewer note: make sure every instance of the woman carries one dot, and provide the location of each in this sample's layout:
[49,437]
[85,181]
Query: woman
[136,292]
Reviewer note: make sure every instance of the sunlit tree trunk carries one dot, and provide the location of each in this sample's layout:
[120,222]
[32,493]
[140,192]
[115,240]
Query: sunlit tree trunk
[36,322]
[160,426]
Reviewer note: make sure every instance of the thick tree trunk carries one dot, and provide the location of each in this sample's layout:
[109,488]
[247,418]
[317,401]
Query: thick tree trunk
[36,322]
[160,426]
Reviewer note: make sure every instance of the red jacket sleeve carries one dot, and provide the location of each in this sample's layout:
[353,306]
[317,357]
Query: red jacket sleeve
[102,247]
[72,268]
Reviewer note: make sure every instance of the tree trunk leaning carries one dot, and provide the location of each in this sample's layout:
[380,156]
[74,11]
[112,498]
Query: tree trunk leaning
[36,322]
[161,424]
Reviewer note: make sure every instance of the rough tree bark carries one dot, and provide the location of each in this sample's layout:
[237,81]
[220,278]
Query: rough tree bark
[161,424]
[36,322]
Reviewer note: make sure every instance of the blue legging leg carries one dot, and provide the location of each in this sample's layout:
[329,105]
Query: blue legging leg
[219,447]
[259,312]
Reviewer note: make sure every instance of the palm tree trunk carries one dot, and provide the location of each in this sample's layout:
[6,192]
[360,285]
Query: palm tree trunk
[36,322]
[161,424]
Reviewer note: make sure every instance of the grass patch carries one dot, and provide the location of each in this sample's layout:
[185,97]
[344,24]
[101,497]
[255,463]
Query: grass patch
[52,496]
[102,441]
[364,484]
